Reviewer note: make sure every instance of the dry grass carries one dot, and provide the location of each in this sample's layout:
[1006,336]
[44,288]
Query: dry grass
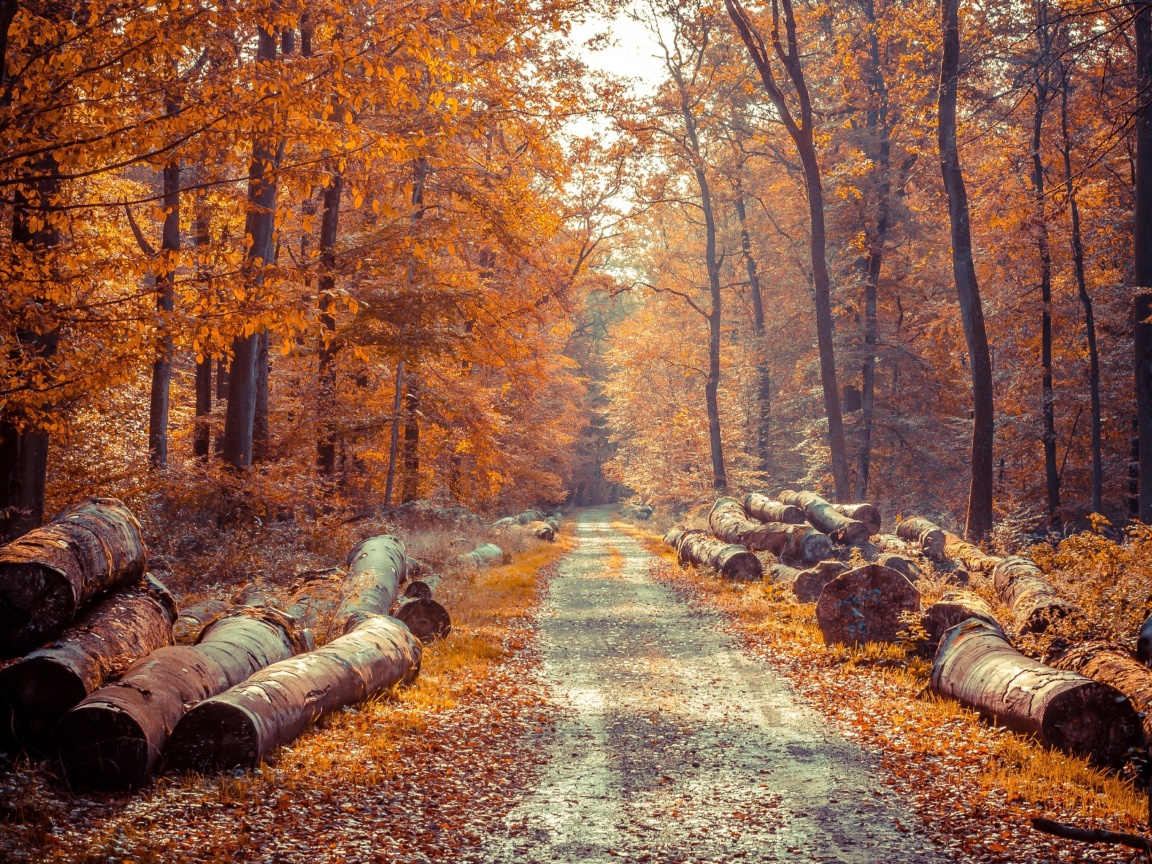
[352,756]
[972,783]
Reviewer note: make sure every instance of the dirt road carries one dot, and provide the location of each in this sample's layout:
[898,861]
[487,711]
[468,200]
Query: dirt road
[677,747]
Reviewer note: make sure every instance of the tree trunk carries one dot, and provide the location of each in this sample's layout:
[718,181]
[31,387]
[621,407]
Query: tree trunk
[825,517]
[47,575]
[770,510]
[165,304]
[395,444]
[979,521]
[1142,257]
[865,605]
[976,665]
[802,136]
[955,608]
[273,707]
[111,635]
[114,738]
[926,535]
[243,388]
[193,619]
[971,556]
[729,523]
[808,584]
[1033,602]
[1047,397]
[326,377]
[1112,665]
[376,569]
[24,448]
[1144,642]
[410,491]
[763,375]
[1085,299]
[261,433]
[862,512]
[730,560]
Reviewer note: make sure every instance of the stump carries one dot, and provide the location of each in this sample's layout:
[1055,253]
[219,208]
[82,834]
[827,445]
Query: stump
[866,513]
[1112,665]
[976,665]
[826,518]
[809,583]
[925,534]
[730,560]
[114,738]
[243,725]
[1034,603]
[865,605]
[768,509]
[105,640]
[50,573]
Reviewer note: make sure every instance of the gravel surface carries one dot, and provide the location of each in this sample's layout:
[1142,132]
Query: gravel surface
[676,747]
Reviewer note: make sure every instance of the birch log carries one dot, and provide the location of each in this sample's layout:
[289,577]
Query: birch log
[974,559]
[729,523]
[866,513]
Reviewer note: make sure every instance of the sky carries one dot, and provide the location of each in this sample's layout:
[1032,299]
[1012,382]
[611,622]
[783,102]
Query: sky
[632,52]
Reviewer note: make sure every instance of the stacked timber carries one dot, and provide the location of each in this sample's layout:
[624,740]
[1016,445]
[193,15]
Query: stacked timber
[114,738]
[1112,665]
[102,643]
[865,605]
[730,560]
[766,509]
[826,518]
[1034,603]
[866,513]
[974,559]
[730,523]
[925,535]
[49,574]
[977,666]
[525,518]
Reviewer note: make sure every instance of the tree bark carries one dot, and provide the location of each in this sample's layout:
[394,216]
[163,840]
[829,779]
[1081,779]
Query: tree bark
[767,509]
[111,635]
[316,595]
[906,567]
[971,556]
[395,444]
[410,491]
[826,518]
[862,512]
[802,136]
[243,388]
[1034,603]
[1085,298]
[193,619]
[979,521]
[1047,396]
[376,569]
[274,706]
[326,376]
[955,608]
[728,522]
[730,560]
[47,575]
[165,304]
[1112,665]
[1142,249]
[976,666]
[763,373]
[865,605]
[261,432]
[114,739]
[927,535]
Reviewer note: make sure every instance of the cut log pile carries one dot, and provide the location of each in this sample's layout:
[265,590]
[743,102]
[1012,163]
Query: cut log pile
[826,518]
[730,560]
[117,669]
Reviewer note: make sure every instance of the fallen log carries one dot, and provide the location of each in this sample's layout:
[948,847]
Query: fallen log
[974,559]
[195,618]
[1112,665]
[376,567]
[484,555]
[414,568]
[866,513]
[50,573]
[809,583]
[105,640]
[770,510]
[542,530]
[730,524]
[928,536]
[1034,603]
[1144,643]
[782,573]
[730,560]
[952,609]
[316,595]
[672,538]
[417,590]
[865,605]
[976,665]
[1092,835]
[114,738]
[905,566]
[243,725]
[826,518]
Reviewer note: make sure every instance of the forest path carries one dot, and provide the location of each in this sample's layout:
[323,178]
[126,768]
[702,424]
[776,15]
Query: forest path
[676,746]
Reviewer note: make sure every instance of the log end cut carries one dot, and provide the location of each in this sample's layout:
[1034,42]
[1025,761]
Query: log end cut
[865,605]
[44,690]
[809,583]
[1095,720]
[103,749]
[214,735]
[426,618]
